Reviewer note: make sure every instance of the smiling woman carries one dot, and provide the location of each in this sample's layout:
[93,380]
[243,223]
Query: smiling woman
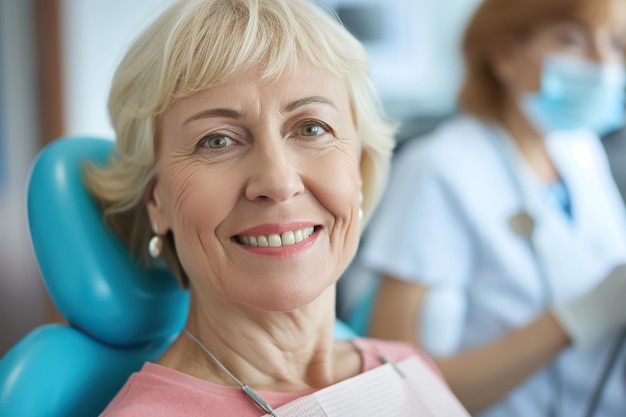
[189,58]
[250,153]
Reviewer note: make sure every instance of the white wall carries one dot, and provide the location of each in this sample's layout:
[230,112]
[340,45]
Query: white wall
[96,33]
[417,66]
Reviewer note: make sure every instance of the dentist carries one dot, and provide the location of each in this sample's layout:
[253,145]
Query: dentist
[502,237]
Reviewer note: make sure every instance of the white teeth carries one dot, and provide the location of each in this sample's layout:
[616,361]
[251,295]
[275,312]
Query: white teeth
[275,240]
[288,238]
[262,240]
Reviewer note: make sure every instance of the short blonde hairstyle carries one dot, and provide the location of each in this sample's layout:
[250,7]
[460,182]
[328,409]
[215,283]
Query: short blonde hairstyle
[199,44]
[494,21]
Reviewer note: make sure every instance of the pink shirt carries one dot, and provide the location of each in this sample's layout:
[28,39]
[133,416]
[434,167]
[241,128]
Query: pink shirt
[159,391]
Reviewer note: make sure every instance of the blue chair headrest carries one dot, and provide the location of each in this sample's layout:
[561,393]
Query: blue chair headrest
[86,267]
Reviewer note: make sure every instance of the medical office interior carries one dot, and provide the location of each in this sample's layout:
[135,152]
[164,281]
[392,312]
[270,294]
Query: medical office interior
[57,58]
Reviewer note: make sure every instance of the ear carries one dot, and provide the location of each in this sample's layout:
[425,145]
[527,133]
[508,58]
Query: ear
[155,204]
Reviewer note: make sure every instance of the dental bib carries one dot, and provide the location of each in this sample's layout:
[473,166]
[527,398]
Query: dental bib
[407,388]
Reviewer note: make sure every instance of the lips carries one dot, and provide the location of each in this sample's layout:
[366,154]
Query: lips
[273,240]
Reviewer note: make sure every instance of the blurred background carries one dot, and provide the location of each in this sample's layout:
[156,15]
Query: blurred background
[57,58]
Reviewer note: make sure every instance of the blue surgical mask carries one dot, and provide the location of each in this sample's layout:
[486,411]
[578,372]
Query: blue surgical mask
[577,94]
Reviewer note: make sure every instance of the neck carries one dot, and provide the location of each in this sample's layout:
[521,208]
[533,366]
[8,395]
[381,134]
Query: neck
[529,141]
[272,351]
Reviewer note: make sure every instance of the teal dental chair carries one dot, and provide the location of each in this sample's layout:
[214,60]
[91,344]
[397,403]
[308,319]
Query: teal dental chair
[118,315]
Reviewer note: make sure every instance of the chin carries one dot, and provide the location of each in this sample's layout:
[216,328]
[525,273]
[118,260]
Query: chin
[284,300]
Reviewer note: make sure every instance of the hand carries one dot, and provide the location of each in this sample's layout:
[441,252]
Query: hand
[595,315]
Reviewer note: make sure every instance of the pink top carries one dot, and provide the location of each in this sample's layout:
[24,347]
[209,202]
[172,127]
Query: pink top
[159,391]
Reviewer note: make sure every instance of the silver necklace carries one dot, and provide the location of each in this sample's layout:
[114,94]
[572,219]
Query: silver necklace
[256,398]
[249,392]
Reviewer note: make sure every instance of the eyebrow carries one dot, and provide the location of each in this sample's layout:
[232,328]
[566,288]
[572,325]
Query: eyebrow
[309,100]
[227,113]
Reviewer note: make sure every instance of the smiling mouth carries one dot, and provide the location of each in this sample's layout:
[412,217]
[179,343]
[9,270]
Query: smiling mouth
[275,240]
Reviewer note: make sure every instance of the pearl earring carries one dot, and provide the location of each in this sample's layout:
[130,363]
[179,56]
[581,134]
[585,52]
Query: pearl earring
[155,245]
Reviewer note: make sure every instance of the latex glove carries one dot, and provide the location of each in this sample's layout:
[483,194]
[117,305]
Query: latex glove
[595,315]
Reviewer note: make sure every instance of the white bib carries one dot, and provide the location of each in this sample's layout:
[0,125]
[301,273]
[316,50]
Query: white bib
[382,391]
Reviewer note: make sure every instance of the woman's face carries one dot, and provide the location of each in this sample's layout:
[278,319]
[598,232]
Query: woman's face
[591,39]
[259,184]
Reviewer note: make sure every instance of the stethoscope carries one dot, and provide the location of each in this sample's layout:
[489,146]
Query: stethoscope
[523,225]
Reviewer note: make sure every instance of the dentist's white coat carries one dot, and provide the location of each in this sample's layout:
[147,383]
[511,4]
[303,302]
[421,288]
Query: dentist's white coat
[444,222]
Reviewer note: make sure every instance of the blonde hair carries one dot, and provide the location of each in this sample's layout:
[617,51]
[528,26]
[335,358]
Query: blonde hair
[199,44]
[496,21]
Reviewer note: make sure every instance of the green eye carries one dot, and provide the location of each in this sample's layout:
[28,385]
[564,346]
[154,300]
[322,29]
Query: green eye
[217,142]
[312,129]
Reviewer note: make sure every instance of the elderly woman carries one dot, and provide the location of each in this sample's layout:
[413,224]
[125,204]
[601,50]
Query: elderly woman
[500,240]
[250,152]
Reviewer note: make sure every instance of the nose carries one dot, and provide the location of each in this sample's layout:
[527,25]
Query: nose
[274,173]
